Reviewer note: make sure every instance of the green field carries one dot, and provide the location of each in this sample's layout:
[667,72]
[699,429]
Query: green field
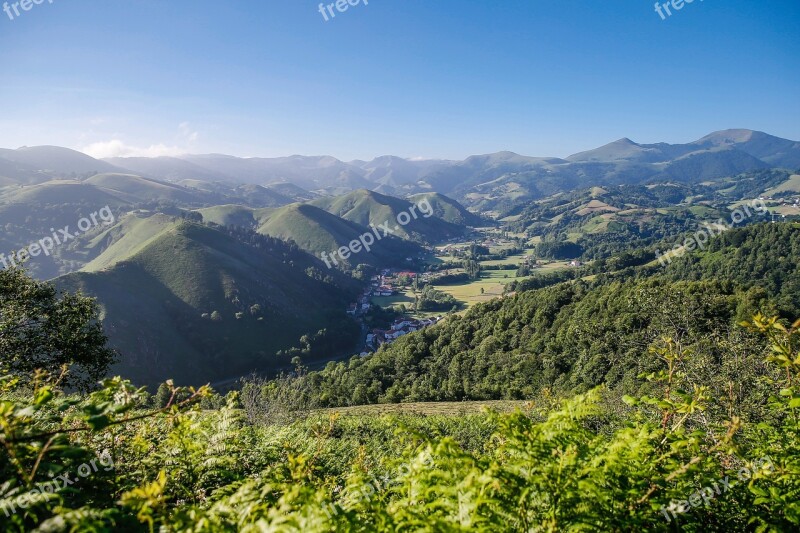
[510,260]
[492,282]
[469,293]
[790,185]
[432,408]
[405,297]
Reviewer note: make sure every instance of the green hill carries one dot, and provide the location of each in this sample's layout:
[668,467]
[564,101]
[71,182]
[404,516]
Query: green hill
[314,230]
[206,304]
[235,215]
[318,231]
[131,234]
[449,210]
[371,208]
[298,194]
[61,192]
[135,189]
[27,215]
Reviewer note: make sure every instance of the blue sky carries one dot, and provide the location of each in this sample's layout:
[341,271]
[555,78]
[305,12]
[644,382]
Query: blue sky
[414,78]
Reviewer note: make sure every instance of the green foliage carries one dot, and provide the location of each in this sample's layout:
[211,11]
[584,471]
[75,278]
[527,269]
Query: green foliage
[574,465]
[431,299]
[575,336]
[558,250]
[41,328]
[52,441]
[472,268]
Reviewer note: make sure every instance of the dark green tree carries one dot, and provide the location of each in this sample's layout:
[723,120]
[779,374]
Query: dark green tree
[42,328]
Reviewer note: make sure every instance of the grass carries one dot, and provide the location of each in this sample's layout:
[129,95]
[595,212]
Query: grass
[492,282]
[469,293]
[430,409]
[790,185]
[510,260]
[405,297]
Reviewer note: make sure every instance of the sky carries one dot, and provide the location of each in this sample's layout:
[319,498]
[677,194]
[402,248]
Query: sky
[413,78]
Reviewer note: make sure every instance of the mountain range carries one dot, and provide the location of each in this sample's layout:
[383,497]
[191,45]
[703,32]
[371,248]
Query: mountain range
[482,182]
[207,269]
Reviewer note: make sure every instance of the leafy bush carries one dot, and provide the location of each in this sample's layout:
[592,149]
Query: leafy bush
[42,329]
[580,466]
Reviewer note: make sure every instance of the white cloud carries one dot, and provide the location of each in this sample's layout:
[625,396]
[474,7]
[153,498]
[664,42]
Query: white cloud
[116,148]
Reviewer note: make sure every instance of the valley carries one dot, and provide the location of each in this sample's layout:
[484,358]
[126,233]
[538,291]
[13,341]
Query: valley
[195,255]
[496,306]
[431,267]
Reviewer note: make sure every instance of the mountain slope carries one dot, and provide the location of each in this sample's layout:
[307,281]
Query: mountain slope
[395,171]
[311,173]
[367,208]
[773,150]
[314,230]
[31,213]
[205,304]
[134,189]
[585,333]
[448,209]
[58,161]
[166,168]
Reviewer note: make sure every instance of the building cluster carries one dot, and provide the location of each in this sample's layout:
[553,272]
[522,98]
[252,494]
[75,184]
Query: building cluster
[361,306]
[384,284]
[795,202]
[400,327]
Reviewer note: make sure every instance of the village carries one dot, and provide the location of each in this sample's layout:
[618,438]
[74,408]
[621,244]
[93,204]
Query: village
[384,285]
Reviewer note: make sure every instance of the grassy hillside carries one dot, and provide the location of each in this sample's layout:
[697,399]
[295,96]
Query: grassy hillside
[13,173]
[289,190]
[448,209]
[57,161]
[27,215]
[606,221]
[184,300]
[131,234]
[135,189]
[314,230]
[317,231]
[61,192]
[791,185]
[367,207]
[235,215]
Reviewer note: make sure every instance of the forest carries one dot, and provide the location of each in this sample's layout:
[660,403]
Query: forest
[660,399]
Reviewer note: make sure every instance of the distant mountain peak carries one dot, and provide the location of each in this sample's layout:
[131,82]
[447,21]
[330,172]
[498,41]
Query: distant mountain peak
[732,136]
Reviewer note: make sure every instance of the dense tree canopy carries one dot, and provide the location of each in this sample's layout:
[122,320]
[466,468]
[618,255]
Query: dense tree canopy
[43,329]
[576,335]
